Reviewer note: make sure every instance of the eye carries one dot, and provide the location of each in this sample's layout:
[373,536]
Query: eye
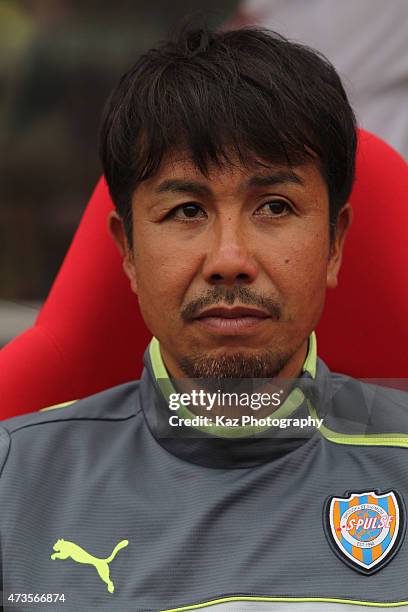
[186,211]
[274,208]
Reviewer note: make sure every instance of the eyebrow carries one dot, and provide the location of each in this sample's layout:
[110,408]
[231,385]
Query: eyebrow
[181,186]
[199,189]
[274,178]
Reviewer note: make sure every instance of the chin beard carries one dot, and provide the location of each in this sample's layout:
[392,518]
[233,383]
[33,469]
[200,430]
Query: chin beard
[267,364]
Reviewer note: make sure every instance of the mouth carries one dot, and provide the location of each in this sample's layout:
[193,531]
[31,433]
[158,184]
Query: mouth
[232,321]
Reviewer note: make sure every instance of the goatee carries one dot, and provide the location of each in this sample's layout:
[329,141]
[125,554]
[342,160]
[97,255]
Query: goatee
[266,364]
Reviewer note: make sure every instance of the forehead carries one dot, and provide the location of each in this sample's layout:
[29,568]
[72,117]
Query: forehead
[234,175]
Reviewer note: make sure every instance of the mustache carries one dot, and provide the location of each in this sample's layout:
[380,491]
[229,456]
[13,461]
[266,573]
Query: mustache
[242,295]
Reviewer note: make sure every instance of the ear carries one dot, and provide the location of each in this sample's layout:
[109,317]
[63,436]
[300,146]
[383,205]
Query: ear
[343,223]
[118,233]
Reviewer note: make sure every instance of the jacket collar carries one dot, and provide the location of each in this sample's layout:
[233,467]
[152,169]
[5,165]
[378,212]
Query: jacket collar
[219,445]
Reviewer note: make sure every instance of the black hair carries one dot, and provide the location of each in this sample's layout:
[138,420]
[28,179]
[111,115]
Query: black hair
[246,94]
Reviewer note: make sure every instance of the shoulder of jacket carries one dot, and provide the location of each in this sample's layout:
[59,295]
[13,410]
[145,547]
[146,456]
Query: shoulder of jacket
[381,391]
[116,403]
[364,412]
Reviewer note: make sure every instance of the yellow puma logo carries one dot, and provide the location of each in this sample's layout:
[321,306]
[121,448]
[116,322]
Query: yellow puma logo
[65,549]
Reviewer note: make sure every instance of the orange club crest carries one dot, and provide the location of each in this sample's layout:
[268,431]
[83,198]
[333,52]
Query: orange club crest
[365,529]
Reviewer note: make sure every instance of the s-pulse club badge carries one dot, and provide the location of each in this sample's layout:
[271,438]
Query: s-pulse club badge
[365,529]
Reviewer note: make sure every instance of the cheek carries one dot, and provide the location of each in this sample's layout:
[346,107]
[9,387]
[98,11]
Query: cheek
[162,280]
[300,273]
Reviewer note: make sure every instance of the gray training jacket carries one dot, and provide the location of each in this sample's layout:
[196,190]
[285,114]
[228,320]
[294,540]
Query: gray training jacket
[101,510]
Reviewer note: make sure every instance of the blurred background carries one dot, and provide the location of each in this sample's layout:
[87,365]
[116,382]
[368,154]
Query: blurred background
[59,59]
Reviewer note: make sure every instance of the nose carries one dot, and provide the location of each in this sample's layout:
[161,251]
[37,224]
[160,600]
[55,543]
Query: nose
[229,259]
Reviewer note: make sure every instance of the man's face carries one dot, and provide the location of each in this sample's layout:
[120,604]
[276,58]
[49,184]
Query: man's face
[231,269]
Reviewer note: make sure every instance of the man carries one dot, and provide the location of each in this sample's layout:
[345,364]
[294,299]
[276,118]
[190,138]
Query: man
[230,158]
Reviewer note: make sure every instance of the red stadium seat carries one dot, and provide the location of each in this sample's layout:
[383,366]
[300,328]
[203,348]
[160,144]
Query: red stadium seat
[90,336]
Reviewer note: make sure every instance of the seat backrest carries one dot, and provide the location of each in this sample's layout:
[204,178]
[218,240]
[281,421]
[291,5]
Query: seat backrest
[90,335]
[364,328]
